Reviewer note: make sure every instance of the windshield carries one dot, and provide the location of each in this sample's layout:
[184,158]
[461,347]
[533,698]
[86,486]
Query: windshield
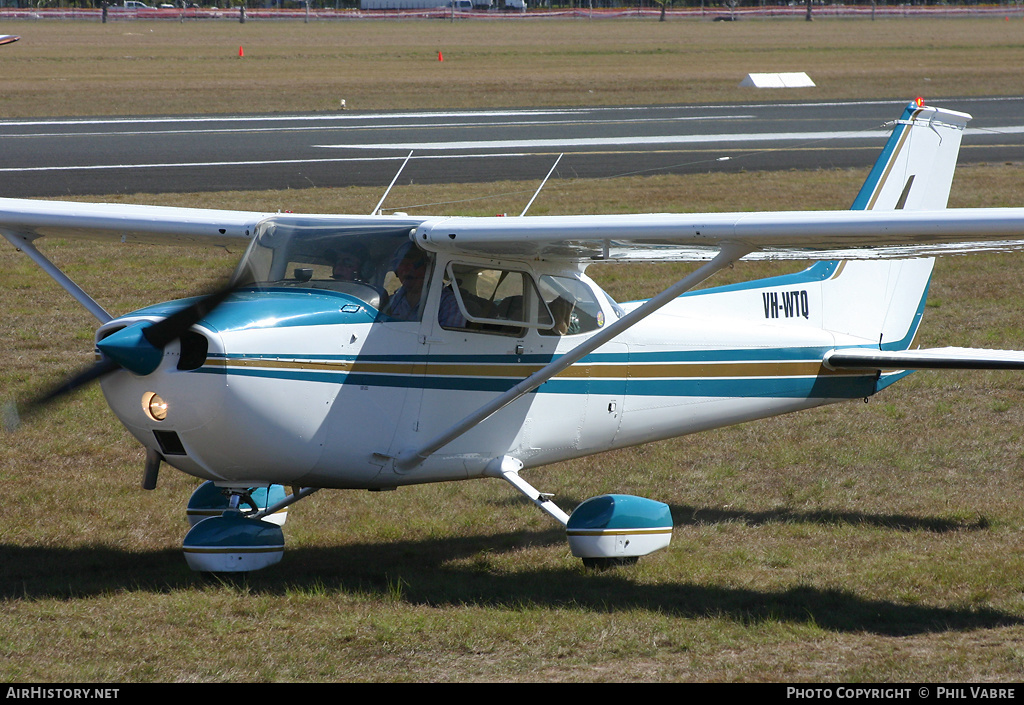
[355,256]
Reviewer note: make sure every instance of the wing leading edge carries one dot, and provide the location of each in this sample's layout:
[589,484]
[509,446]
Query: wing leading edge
[31,219]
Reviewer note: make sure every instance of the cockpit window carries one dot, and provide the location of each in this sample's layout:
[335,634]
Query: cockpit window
[572,304]
[352,256]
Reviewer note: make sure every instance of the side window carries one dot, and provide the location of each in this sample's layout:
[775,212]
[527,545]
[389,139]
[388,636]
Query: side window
[492,300]
[572,304]
[405,283]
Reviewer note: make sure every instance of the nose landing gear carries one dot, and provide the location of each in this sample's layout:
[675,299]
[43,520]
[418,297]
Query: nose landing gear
[237,529]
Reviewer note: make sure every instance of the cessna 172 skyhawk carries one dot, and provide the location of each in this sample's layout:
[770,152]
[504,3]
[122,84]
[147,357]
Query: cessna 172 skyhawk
[371,352]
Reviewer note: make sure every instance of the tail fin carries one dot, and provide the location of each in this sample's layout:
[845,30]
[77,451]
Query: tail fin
[868,302]
[915,169]
[884,300]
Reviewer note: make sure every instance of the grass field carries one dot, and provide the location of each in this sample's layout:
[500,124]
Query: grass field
[859,542]
[852,543]
[121,68]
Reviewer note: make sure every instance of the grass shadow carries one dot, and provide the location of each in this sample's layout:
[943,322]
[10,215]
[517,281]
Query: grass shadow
[455,572]
[684,515]
[690,515]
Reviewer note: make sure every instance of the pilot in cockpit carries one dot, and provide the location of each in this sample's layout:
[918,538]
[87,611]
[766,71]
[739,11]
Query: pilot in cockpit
[411,271]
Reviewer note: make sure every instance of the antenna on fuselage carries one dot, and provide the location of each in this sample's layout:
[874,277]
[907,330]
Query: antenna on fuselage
[376,209]
[537,193]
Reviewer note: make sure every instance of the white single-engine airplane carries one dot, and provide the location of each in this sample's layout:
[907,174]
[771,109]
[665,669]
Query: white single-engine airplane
[371,352]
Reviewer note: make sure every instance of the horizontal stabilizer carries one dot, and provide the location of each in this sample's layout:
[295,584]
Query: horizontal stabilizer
[930,359]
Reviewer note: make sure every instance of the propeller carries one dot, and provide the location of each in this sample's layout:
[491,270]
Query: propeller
[137,348]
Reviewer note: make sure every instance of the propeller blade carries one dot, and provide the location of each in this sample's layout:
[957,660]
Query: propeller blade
[177,324]
[14,414]
[158,335]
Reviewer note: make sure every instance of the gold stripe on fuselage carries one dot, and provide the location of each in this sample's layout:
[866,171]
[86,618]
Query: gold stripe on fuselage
[625,370]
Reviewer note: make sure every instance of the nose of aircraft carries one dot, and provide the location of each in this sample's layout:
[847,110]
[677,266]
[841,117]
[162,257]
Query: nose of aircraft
[139,346]
[131,349]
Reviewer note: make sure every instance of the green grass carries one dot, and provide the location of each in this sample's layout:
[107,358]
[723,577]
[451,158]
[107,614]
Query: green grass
[857,542]
[159,67]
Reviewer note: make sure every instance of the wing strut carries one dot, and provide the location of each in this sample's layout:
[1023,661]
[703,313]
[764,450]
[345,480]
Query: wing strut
[25,245]
[376,209]
[730,252]
[537,192]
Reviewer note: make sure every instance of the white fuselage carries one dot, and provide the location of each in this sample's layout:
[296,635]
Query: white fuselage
[329,400]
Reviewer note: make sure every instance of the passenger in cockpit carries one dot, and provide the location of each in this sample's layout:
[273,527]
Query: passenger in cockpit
[348,263]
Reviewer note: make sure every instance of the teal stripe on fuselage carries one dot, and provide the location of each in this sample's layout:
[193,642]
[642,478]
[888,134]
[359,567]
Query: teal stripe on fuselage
[514,369]
[835,387]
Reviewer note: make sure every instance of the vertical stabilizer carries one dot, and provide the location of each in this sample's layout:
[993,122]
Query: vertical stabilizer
[869,302]
[885,299]
[915,169]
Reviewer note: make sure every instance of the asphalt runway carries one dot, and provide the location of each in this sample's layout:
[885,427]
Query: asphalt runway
[89,156]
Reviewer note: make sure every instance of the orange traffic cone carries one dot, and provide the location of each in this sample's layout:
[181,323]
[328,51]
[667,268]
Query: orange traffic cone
[240,53]
[440,56]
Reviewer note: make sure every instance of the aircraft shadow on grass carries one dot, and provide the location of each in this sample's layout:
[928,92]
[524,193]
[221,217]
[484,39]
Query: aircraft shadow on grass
[456,571]
[688,515]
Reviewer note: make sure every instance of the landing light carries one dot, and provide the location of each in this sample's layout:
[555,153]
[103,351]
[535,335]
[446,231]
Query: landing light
[154,406]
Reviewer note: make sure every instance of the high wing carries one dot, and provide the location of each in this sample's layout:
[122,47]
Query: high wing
[899,213]
[768,235]
[27,219]
[648,237]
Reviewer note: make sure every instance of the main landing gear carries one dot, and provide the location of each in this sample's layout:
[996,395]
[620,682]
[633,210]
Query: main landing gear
[605,531]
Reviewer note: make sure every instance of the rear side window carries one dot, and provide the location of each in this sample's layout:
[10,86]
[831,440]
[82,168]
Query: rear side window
[492,300]
[573,306]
